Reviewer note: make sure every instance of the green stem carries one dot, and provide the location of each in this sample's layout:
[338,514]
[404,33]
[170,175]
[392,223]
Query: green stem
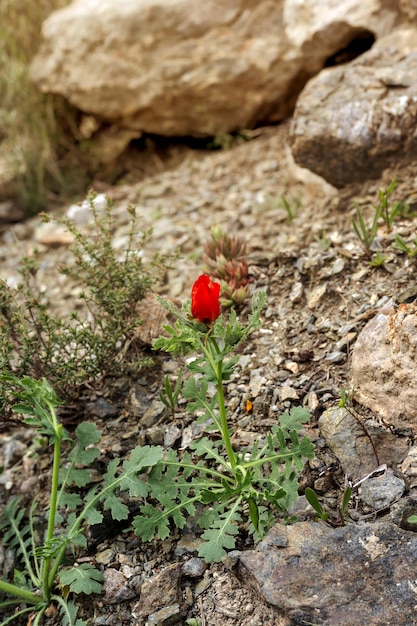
[47,583]
[217,367]
[13,590]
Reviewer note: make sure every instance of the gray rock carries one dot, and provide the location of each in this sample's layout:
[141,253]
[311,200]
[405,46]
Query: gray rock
[194,567]
[101,408]
[360,574]
[380,492]
[166,616]
[353,121]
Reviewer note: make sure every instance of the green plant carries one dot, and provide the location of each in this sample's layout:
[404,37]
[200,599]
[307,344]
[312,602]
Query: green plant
[378,260]
[233,486]
[323,515]
[313,499]
[291,208]
[409,249]
[170,397]
[82,349]
[226,141]
[365,234]
[390,213]
[382,211]
[41,573]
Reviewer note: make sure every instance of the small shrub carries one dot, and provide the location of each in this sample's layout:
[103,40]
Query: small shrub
[79,351]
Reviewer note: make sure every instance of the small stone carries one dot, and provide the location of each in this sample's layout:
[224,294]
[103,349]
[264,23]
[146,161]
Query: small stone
[166,616]
[292,366]
[194,567]
[160,591]
[102,408]
[409,467]
[287,393]
[338,266]
[380,492]
[347,340]
[172,434]
[188,544]
[314,296]
[152,414]
[52,234]
[116,588]
[105,557]
[336,356]
[296,292]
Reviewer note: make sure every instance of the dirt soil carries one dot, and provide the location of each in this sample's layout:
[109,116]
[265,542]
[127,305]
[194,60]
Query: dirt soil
[321,291]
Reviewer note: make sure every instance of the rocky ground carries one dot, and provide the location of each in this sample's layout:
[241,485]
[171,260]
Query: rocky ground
[321,291]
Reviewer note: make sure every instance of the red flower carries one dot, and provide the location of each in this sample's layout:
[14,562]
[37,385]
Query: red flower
[205,300]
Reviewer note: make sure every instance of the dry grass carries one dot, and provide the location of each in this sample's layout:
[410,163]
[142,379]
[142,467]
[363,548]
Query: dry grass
[39,158]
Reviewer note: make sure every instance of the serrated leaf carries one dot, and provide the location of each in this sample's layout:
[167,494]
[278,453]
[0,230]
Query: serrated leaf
[140,458]
[119,511]
[295,419]
[306,448]
[68,612]
[70,501]
[87,434]
[82,579]
[205,448]
[150,523]
[221,535]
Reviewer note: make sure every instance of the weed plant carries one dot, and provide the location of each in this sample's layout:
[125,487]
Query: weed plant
[384,214]
[77,352]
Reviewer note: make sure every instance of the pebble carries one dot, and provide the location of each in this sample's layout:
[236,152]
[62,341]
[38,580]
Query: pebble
[116,588]
[52,234]
[102,408]
[165,617]
[287,393]
[296,292]
[380,492]
[336,357]
[194,567]
[409,467]
[314,296]
[152,414]
[105,557]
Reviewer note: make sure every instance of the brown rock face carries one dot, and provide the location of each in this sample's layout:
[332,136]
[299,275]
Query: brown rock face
[384,366]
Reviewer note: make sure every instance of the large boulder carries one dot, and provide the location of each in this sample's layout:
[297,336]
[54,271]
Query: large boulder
[181,67]
[353,121]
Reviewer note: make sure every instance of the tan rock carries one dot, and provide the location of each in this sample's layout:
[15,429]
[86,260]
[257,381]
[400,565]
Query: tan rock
[384,366]
[180,67]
